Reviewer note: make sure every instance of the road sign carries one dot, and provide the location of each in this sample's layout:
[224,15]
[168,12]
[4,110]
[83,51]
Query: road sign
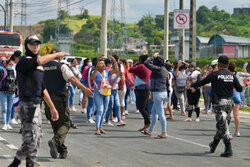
[181,19]
[46,49]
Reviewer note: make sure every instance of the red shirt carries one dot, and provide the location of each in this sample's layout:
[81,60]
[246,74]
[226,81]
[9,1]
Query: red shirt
[142,72]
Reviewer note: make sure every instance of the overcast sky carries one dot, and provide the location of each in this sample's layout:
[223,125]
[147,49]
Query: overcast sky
[38,10]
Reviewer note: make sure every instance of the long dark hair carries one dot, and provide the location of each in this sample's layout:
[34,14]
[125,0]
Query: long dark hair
[85,63]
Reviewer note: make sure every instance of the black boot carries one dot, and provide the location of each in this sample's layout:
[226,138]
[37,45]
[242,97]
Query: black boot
[213,145]
[228,149]
[30,162]
[15,163]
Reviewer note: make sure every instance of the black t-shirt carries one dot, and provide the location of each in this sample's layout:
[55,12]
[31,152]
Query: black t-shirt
[223,82]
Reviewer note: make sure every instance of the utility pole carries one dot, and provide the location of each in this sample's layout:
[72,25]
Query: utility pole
[181,37]
[4,11]
[192,37]
[104,31]
[11,15]
[166,29]
[7,13]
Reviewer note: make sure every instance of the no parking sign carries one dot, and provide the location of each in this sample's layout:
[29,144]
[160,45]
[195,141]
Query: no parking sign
[181,19]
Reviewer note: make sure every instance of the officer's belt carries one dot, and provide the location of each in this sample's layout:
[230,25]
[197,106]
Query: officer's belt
[36,100]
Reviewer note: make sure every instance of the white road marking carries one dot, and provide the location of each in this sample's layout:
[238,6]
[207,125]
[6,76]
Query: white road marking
[2,139]
[9,157]
[11,146]
[187,141]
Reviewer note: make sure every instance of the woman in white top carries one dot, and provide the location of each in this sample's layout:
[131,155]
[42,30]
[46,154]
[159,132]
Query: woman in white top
[78,75]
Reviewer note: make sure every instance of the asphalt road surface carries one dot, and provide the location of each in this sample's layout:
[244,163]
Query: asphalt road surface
[187,144]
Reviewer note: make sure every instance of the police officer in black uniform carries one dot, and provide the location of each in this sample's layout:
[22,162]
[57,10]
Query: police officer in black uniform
[56,76]
[223,83]
[31,90]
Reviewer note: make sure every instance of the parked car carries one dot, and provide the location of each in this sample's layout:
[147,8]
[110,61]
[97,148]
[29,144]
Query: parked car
[68,59]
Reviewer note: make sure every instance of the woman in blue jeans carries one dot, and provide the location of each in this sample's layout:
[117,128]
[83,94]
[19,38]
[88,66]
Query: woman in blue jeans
[101,101]
[7,91]
[159,86]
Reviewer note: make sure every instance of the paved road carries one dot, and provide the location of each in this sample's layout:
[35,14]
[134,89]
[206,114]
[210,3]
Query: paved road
[187,145]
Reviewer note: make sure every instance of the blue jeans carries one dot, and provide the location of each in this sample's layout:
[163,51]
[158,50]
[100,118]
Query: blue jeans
[71,121]
[6,103]
[127,97]
[101,103]
[150,106]
[84,82]
[159,98]
[72,95]
[90,107]
[114,103]
[242,95]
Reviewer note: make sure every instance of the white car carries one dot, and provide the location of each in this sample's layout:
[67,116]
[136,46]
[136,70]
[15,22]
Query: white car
[68,59]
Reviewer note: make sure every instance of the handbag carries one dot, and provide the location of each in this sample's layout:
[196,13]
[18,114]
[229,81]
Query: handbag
[180,89]
[105,88]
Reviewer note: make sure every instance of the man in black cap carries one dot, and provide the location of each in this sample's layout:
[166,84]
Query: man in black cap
[31,90]
[223,83]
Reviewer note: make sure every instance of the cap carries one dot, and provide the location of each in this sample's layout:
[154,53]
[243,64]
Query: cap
[31,39]
[130,61]
[214,62]
[17,53]
[223,60]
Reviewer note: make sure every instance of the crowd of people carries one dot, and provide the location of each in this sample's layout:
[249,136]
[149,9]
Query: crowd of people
[107,86]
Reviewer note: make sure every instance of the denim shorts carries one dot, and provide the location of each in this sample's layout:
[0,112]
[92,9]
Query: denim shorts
[236,97]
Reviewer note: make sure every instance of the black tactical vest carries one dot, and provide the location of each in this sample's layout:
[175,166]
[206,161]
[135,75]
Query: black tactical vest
[53,79]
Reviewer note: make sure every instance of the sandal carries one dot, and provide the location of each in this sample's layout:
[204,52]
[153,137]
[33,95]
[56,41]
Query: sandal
[146,132]
[160,137]
[103,131]
[170,118]
[98,133]
[142,129]
[74,126]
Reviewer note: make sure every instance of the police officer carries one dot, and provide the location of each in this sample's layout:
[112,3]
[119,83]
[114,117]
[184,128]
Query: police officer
[56,76]
[31,90]
[223,83]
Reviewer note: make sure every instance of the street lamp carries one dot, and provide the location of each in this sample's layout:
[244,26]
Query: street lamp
[4,16]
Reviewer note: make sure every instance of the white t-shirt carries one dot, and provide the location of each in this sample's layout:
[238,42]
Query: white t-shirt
[114,79]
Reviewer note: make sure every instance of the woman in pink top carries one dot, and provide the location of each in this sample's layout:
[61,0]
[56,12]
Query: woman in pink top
[86,64]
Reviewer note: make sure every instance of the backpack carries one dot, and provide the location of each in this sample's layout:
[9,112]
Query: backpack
[5,73]
[130,79]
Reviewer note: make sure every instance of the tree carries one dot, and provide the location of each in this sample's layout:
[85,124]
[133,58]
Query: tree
[63,14]
[85,14]
[203,15]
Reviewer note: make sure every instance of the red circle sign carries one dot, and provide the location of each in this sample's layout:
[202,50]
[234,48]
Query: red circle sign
[181,19]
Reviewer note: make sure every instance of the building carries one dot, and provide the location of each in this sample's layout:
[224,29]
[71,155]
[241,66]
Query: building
[137,45]
[201,42]
[230,46]
[241,10]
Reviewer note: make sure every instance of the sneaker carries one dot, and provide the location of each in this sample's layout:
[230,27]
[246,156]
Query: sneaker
[123,117]
[19,121]
[121,123]
[197,120]
[5,127]
[53,149]
[13,122]
[126,112]
[108,124]
[63,155]
[115,120]
[73,109]
[91,121]
[188,120]
[237,134]
[84,111]
[9,127]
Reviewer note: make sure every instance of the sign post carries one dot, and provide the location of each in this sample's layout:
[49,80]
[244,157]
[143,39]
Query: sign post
[181,19]
[46,49]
